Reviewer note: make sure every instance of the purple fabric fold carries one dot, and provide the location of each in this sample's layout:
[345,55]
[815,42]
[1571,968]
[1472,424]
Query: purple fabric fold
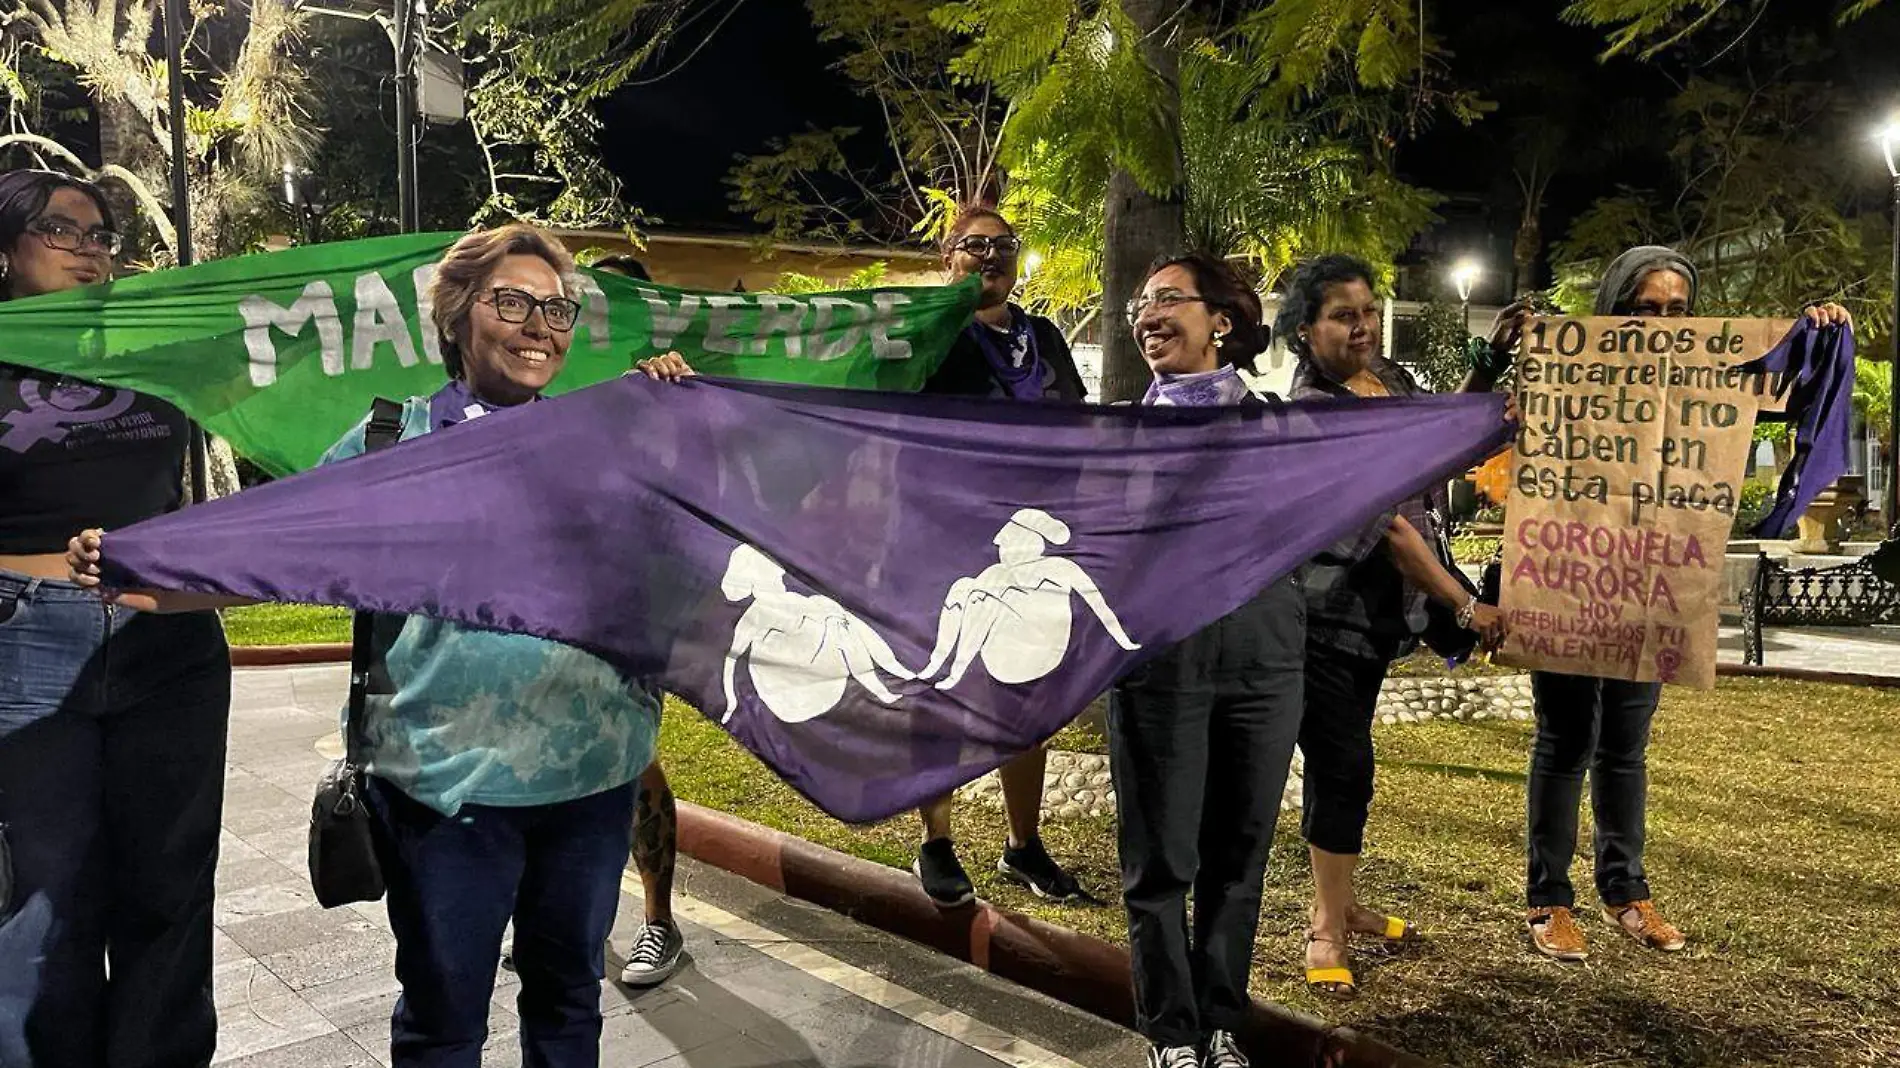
[1814,370]
[876,642]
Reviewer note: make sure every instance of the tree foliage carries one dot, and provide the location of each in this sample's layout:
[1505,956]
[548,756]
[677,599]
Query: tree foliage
[1275,169]
[247,102]
[1651,26]
[1768,229]
[938,139]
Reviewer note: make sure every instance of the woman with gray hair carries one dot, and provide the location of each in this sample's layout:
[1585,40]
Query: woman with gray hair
[1601,726]
[500,766]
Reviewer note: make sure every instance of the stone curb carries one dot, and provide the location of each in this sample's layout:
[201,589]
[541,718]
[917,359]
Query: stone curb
[1839,678]
[1075,968]
[286,655]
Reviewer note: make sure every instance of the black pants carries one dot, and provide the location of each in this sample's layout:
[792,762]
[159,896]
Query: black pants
[1199,742]
[1600,726]
[112,743]
[1342,693]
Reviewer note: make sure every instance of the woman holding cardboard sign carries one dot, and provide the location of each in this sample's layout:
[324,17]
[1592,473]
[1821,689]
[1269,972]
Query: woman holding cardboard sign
[1602,725]
[1366,606]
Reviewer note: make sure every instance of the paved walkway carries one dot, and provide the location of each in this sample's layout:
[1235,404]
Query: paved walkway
[772,981]
[1855,650]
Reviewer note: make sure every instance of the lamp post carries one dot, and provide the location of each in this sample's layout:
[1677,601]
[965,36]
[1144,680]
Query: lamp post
[1889,144]
[303,199]
[1465,276]
[404,33]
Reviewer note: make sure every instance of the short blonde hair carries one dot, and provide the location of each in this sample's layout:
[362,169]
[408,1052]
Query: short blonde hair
[464,272]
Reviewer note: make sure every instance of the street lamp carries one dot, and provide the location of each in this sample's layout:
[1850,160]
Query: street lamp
[1465,276]
[303,198]
[1889,143]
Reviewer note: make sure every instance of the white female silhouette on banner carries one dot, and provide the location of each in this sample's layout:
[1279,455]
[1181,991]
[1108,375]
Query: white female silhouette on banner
[1016,615]
[799,649]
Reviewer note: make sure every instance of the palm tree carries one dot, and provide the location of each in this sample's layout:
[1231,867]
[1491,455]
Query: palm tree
[246,112]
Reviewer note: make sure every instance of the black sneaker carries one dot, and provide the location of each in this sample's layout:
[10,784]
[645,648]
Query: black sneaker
[1173,1057]
[942,874]
[656,954]
[1031,865]
[1224,1052]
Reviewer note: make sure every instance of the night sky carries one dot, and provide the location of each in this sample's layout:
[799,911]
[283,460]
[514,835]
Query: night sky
[763,76]
[766,75]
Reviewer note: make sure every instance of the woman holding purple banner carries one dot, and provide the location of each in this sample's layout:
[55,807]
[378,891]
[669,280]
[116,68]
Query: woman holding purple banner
[1201,736]
[1005,352]
[112,722]
[1366,605]
[500,766]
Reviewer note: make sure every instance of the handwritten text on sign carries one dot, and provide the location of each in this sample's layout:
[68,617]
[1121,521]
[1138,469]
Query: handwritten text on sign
[1623,488]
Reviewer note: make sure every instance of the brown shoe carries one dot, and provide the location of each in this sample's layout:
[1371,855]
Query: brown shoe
[1555,933]
[1641,921]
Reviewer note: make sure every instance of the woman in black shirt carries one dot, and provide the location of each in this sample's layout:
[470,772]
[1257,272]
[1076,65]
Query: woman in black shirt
[1005,352]
[112,722]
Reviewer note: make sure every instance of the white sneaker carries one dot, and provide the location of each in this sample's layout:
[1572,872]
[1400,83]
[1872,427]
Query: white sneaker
[1224,1052]
[656,954]
[1173,1057]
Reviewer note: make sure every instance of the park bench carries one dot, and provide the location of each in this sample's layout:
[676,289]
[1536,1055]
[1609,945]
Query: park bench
[1853,594]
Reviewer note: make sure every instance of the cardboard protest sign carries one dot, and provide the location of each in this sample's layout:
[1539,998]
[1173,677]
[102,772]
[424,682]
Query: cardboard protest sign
[1622,490]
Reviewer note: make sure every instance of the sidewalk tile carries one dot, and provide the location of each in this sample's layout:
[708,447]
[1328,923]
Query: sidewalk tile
[257,1012]
[327,1051]
[354,952]
[742,1052]
[357,999]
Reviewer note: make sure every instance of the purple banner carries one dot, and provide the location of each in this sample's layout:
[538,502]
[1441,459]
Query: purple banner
[882,596]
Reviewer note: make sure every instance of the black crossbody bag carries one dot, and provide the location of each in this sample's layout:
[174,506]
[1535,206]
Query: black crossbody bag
[343,866]
[1442,634]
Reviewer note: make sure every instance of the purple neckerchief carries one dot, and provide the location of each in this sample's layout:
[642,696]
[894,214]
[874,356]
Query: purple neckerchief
[455,402]
[1201,390]
[1020,371]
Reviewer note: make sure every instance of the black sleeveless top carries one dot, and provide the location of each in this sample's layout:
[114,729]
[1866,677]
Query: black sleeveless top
[75,455]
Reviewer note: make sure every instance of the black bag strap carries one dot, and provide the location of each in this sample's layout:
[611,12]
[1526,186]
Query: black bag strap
[384,430]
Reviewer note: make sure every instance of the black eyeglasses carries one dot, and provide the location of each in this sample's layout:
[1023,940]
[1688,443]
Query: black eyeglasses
[69,238]
[1164,300]
[515,306]
[981,245]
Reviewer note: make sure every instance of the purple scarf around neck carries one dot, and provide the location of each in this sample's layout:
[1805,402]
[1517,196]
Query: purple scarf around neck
[1204,389]
[455,402]
[1019,372]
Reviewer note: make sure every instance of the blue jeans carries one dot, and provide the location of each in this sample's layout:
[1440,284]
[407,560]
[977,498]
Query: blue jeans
[454,882]
[112,740]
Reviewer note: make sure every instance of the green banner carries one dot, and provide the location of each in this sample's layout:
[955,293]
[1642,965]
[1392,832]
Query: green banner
[280,353]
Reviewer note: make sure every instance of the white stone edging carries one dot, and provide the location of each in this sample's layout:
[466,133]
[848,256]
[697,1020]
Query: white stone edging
[1078,784]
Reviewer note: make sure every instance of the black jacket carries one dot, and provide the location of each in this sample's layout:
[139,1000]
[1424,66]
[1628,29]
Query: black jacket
[965,372]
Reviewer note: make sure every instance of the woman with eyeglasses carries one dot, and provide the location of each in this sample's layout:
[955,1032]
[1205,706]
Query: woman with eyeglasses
[1005,352]
[112,722]
[1201,736]
[501,766]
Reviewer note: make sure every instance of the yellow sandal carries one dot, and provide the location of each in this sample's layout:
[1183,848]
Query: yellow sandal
[1398,930]
[1331,982]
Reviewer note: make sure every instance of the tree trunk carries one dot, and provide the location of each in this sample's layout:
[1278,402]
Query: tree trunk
[1526,248]
[1139,224]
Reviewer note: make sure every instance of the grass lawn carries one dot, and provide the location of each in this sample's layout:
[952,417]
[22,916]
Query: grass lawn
[286,624]
[1774,820]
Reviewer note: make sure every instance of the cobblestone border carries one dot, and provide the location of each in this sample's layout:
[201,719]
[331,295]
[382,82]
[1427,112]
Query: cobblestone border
[1080,784]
